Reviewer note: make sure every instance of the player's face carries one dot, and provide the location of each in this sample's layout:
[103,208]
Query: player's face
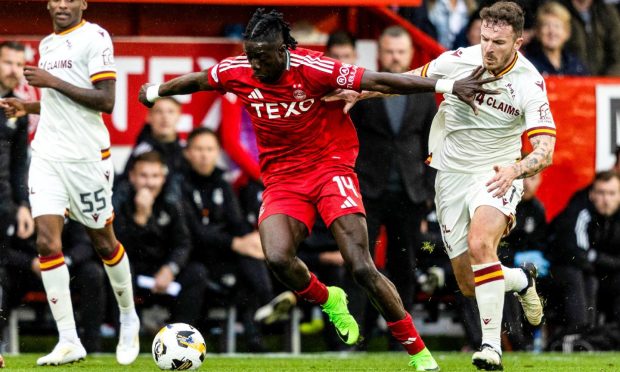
[552,32]
[66,13]
[11,68]
[267,59]
[499,44]
[344,53]
[605,195]
[395,53]
[203,153]
[163,118]
[148,175]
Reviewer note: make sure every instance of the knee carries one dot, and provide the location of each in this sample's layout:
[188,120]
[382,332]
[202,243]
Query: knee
[47,244]
[364,275]
[279,260]
[104,245]
[481,250]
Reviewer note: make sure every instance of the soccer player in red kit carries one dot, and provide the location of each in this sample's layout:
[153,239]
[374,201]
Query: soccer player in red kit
[307,158]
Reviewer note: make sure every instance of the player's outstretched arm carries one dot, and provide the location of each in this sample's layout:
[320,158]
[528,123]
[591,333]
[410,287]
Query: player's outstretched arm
[185,84]
[540,158]
[16,108]
[465,89]
[100,99]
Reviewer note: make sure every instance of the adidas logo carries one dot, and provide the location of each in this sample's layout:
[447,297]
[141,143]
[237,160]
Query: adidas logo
[409,341]
[256,94]
[348,203]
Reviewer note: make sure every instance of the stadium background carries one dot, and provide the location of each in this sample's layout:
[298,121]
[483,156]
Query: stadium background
[159,39]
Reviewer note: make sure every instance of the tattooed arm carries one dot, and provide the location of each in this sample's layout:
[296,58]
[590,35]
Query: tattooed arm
[539,159]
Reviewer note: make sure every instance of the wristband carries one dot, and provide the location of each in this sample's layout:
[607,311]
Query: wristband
[444,86]
[152,93]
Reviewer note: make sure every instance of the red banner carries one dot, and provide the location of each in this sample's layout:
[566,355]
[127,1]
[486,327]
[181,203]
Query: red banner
[574,107]
[572,100]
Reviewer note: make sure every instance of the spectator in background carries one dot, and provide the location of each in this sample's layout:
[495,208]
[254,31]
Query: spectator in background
[21,274]
[470,35]
[595,31]
[152,225]
[15,217]
[341,46]
[396,185]
[160,135]
[584,252]
[449,17]
[547,52]
[222,240]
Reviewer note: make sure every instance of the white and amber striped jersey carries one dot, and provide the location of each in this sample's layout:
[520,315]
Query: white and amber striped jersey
[67,130]
[460,141]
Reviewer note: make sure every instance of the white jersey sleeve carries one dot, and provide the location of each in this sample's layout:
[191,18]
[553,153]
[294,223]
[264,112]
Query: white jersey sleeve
[538,118]
[101,64]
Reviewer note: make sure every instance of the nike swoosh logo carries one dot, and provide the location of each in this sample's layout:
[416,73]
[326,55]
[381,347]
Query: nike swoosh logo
[343,336]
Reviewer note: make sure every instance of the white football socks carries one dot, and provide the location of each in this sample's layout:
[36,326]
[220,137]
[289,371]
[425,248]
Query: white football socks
[117,268]
[490,287]
[515,279]
[55,276]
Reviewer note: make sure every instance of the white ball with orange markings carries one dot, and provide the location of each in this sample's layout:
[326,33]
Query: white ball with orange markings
[179,346]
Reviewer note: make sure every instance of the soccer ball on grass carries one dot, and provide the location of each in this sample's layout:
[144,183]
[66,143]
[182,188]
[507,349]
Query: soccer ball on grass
[179,346]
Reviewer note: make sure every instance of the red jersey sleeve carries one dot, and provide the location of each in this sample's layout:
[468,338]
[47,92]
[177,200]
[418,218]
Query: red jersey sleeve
[224,71]
[214,78]
[346,76]
[327,73]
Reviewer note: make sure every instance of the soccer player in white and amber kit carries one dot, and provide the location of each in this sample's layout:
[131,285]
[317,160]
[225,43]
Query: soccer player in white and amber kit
[479,180]
[71,169]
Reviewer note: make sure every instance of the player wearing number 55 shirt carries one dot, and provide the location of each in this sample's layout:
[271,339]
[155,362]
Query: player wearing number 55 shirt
[71,169]
[479,180]
[307,154]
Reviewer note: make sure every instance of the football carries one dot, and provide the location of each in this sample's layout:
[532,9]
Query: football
[179,346]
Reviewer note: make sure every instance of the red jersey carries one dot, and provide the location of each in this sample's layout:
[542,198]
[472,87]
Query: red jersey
[295,130]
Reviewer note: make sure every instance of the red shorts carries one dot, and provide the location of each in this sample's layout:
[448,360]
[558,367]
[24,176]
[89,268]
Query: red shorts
[333,192]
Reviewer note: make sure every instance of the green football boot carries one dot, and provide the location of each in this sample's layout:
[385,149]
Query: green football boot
[338,313]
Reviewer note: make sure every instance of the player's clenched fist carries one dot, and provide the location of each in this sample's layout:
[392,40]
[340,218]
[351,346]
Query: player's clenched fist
[39,78]
[142,96]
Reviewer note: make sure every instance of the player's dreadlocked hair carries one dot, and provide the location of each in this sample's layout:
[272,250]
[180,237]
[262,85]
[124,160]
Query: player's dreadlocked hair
[267,26]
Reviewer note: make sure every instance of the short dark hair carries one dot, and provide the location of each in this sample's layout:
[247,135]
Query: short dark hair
[265,26]
[14,45]
[605,176]
[340,38]
[395,31]
[200,131]
[505,13]
[169,98]
[149,157]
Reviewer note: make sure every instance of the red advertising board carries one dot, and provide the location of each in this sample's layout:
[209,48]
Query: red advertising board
[572,100]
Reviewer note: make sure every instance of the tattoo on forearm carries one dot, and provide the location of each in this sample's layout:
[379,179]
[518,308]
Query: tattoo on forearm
[537,160]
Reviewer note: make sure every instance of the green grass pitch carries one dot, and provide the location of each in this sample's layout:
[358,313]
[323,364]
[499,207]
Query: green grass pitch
[376,362]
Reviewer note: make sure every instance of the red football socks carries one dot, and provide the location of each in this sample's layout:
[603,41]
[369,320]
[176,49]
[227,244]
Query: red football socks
[404,331]
[315,292]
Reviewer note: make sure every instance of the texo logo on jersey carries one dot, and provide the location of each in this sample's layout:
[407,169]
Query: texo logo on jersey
[282,109]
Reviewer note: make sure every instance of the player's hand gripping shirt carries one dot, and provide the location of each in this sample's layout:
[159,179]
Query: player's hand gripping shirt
[460,141]
[68,131]
[295,130]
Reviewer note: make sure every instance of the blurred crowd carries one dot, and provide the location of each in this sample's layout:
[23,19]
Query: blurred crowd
[186,210]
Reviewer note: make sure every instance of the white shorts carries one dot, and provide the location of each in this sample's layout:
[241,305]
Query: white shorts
[458,195]
[84,189]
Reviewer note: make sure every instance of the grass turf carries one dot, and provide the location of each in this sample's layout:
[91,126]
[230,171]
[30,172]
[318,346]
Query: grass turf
[376,362]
